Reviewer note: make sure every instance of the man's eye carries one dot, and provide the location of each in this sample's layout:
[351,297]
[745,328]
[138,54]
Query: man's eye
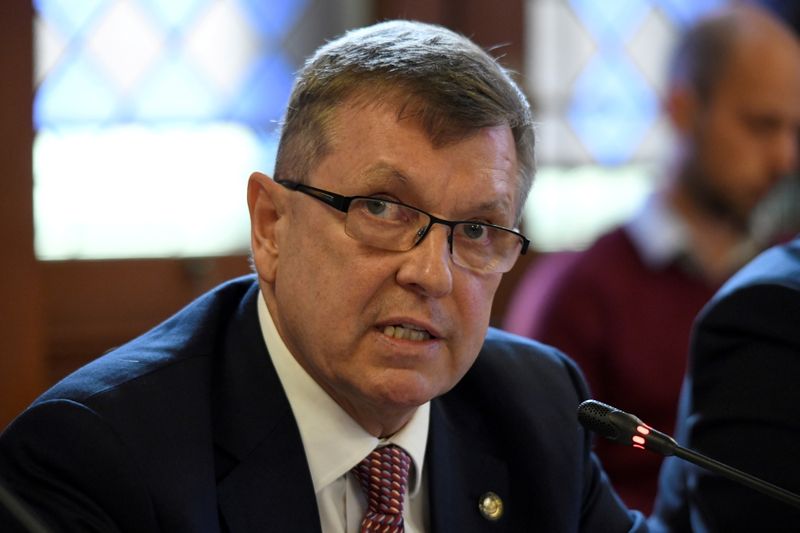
[376,207]
[763,125]
[474,231]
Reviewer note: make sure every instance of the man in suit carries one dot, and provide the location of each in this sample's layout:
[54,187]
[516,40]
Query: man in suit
[740,403]
[405,159]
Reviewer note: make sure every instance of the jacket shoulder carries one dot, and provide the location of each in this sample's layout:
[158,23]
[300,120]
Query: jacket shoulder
[517,368]
[173,348]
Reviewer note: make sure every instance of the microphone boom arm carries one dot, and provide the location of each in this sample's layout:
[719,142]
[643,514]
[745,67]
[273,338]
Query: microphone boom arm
[735,474]
[625,428]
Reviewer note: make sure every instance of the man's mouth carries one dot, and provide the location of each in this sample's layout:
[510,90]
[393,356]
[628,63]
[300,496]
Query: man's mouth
[407,332]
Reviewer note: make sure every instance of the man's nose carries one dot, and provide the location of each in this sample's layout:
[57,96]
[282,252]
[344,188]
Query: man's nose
[427,267]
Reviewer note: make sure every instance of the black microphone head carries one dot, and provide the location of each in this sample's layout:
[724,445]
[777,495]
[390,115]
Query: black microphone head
[623,427]
[593,415]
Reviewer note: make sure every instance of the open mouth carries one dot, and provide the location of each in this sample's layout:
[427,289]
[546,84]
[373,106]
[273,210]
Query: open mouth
[407,332]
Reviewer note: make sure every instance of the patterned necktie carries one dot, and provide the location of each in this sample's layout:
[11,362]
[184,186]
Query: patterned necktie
[383,475]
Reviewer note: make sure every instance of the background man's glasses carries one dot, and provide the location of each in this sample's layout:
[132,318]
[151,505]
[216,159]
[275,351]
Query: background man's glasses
[398,227]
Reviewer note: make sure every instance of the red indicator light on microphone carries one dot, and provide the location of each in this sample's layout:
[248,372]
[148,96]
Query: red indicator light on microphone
[644,430]
[638,446]
[638,440]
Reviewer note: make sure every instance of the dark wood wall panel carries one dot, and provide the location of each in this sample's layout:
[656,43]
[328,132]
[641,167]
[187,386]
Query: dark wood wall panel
[21,357]
[94,306]
[490,24]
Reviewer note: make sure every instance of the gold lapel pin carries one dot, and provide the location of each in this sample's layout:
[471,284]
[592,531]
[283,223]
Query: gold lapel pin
[491,506]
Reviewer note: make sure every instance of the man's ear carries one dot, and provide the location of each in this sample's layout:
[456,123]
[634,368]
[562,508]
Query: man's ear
[682,105]
[265,200]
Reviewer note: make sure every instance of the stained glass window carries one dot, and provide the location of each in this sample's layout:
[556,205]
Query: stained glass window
[150,115]
[596,72]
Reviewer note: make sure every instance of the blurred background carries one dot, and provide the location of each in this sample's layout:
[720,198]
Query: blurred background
[128,129]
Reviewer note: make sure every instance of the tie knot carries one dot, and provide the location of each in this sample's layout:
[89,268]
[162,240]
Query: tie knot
[383,474]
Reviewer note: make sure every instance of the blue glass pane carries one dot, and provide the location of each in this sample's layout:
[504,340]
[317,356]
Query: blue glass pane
[76,91]
[174,13]
[612,108]
[273,17]
[69,16]
[683,12]
[612,21]
[175,91]
[263,98]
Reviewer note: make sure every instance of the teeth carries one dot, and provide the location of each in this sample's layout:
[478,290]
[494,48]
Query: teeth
[406,331]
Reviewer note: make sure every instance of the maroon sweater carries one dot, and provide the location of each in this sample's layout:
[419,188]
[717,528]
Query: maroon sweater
[628,328]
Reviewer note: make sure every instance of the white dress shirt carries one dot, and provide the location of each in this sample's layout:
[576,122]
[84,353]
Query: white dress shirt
[658,233]
[334,443]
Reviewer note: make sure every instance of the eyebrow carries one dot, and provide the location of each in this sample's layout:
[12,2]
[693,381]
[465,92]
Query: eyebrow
[494,205]
[383,172]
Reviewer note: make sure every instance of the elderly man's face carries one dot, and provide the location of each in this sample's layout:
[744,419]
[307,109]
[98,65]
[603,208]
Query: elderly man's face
[345,309]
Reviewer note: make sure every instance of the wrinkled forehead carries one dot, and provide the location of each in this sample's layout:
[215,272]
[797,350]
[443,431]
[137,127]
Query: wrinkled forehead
[437,126]
[375,144]
[441,125]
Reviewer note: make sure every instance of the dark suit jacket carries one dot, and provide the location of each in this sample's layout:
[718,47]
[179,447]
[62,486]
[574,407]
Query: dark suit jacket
[741,403]
[187,428]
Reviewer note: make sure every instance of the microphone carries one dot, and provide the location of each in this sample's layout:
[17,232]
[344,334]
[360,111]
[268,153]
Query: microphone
[625,428]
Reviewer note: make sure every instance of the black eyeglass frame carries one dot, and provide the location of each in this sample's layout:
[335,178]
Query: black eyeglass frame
[342,203]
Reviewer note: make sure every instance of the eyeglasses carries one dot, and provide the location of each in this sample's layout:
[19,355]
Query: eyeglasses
[398,227]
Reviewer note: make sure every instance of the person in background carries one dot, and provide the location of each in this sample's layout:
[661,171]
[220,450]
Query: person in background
[352,383]
[623,308]
[740,403]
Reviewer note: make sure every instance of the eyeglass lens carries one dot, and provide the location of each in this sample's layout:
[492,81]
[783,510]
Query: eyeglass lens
[391,226]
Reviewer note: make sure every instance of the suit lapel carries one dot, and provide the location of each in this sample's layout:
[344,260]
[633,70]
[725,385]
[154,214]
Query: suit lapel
[271,489]
[462,472]
[262,473]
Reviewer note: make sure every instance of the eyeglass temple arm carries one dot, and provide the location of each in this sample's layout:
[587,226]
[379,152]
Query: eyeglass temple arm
[337,201]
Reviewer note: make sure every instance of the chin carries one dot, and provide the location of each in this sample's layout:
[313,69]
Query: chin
[407,390]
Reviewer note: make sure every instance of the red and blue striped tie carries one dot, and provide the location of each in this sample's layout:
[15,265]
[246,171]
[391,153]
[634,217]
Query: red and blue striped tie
[383,475]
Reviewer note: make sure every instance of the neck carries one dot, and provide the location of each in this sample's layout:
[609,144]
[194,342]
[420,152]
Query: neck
[717,244]
[381,423]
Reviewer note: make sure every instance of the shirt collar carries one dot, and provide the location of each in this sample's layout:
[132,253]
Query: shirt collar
[334,443]
[659,235]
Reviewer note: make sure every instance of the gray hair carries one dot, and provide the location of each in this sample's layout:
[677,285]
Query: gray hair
[440,78]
